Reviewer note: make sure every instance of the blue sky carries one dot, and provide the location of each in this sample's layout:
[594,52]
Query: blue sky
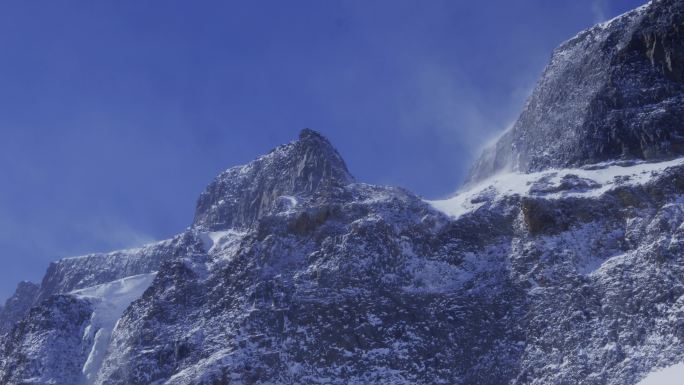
[114,115]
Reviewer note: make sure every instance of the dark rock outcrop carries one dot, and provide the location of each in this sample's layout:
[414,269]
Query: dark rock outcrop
[18,305]
[615,91]
[308,169]
[46,347]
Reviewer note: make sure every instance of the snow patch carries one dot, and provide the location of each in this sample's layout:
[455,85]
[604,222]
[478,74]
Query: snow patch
[672,375]
[215,241]
[288,202]
[586,182]
[111,300]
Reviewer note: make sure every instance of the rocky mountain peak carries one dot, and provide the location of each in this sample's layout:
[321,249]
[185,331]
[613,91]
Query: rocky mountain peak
[304,170]
[294,274]
[614,91]
[309,134]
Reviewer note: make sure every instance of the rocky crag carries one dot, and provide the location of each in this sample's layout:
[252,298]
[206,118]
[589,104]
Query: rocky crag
[561,262]
[614,91]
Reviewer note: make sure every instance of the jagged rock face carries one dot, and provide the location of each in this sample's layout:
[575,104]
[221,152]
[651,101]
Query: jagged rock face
[574,278]
[608,305]
[74,273]
[613,91]
[307,169]
[365,291]
[46,346]
[18,305]
[602,272]
[292,273]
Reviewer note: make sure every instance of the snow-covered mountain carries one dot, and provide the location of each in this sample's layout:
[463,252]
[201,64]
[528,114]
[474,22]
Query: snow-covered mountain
[614,91]
[565,266]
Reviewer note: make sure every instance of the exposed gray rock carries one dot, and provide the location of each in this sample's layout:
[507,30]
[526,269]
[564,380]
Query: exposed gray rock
[69,274]
[293,273]
[46,347]
[308,169]
[18,305]
[613,91]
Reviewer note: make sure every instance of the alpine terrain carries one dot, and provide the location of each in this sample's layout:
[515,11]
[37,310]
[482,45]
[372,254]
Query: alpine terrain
[560,262]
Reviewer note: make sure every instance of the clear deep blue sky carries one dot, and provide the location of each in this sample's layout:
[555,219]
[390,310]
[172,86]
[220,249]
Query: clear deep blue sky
[114,115]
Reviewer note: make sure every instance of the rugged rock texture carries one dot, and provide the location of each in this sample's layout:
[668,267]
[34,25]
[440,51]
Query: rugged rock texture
[602,272]
[613,91]
[18,305]
[74,273]
[46,347]
[293,273]
[309,169]
[355,290]
[574,278]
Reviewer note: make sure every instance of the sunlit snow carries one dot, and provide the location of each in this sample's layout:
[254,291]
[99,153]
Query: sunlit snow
[672,375]
[598,179]
[111,300]
[221,241]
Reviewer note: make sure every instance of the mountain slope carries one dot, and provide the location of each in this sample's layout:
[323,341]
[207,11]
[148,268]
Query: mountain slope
[557,283]
[567,269]
[612,92]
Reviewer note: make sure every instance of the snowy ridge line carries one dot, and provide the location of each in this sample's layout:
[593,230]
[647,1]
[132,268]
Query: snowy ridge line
[635,12]
[129,251]
[586,182]
[605,25]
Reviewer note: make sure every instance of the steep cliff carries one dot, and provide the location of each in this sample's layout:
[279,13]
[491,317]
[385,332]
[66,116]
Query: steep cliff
[561,262]
[614,91]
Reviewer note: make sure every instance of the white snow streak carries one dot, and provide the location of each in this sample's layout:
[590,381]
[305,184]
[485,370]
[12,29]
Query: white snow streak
[111,300]
[221,241]
[607,176]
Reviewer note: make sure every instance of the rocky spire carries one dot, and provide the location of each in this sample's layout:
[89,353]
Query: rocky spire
[305,169]
[615,91]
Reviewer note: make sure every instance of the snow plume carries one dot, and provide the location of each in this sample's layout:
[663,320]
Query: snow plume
[444,104]
[57,238]
[598,10]
[114,234]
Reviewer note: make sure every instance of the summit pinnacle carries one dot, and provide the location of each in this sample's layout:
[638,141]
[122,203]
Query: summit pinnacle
[305,169]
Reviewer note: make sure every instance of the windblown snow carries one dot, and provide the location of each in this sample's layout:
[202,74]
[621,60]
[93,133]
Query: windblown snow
[292,272]
[111,300]
[585,182]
